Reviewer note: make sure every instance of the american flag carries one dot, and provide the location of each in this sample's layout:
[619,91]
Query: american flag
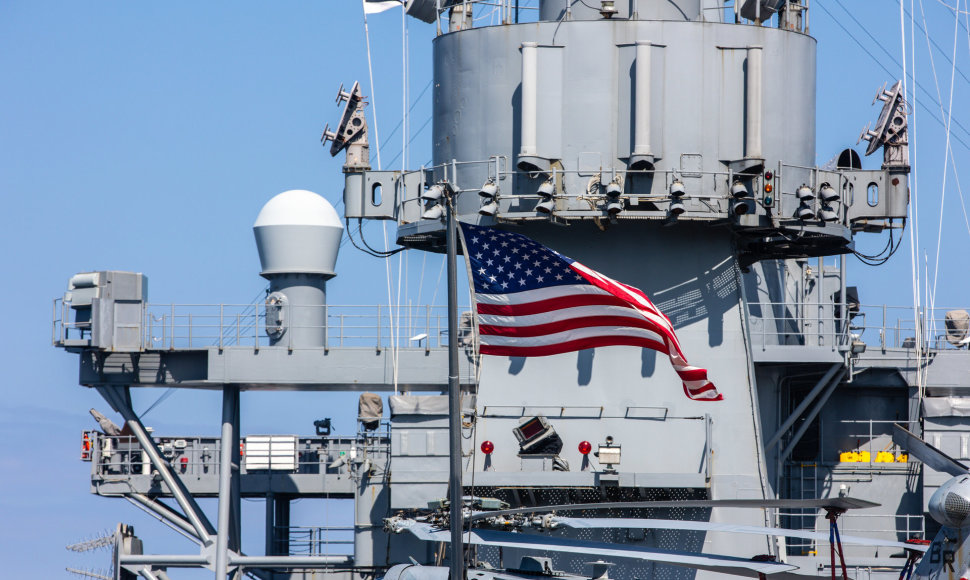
[533,301]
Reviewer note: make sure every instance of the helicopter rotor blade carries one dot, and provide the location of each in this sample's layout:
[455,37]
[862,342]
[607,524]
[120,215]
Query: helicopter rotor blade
[926,453]
[637,523]
[839,503]
[712,562]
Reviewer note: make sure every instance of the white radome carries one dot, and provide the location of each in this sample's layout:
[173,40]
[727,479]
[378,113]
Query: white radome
[298,207]
[298,232]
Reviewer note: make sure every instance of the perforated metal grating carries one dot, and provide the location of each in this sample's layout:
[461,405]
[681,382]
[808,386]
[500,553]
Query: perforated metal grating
[625,569]
[957,508]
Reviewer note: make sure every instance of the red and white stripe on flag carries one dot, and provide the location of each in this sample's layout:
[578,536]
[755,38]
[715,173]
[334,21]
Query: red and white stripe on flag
[533,301]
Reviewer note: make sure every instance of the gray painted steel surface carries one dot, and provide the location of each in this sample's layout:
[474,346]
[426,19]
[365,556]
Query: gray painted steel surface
[580,99]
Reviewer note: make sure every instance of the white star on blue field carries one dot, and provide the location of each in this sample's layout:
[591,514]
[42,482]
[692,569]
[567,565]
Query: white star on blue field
[503,262]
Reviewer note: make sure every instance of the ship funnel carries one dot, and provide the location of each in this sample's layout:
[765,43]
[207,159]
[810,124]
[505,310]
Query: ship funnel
[297,236]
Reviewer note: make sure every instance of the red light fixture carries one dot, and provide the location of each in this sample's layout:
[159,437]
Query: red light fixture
[768,175]
[585,447]
[488,447]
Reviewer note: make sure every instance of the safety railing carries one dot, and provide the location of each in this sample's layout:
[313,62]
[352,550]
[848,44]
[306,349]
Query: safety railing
[180,326]
[900,526]
[314,540]
[116,456]
[899,327]
[706,192]
[877,326]
[804,325]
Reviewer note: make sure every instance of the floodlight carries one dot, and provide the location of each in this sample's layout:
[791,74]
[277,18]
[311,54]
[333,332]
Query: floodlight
[433,193]
[827,193]
[434,212]
[738,189]
[677,187]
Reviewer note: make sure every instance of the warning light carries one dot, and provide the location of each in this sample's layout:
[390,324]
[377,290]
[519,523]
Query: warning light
[768,188]
[184,461]
[585,447]
[85,447]
[768,175]
[488,447]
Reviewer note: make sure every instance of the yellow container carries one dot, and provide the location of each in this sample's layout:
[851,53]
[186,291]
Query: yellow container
[902,458]
[864,457]
[885,457]
[849,457]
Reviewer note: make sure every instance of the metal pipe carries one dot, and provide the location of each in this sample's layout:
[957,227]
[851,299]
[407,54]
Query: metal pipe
[290,561]
[230,400]
[270,532]
[164,512]
[753,113]
[193,513]
[822,382]
[641,107]
[811,416]
[235,491]
[529,96]
[457,564]
[174,560]
[844,303]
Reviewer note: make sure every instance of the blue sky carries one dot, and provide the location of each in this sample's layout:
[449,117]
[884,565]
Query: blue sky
[146,137]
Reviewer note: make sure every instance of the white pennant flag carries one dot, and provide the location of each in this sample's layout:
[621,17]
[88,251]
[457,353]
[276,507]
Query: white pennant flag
[375,6]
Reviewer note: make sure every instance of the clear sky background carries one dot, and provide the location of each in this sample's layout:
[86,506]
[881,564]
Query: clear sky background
[146,137]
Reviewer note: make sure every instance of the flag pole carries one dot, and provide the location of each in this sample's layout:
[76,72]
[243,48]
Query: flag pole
[457,567]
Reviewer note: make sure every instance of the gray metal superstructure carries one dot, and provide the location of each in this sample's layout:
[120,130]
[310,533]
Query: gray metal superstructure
[669,145]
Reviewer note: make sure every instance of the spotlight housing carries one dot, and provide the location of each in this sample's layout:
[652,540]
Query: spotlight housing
[741,206]
[827,214]
[433,193]
[489,194]
[676,207]
[613,189]
[827,193]
[738,189]
[804,193]
[489,190]
[489,209]
[677,188]
[546,191]
[435,212]
[614,207]
[804,212]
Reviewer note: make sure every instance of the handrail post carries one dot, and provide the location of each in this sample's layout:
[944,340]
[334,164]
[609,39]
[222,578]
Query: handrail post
[764,331]
[190,329]
[221,314]
[378,328]
[883,331]
[171,329]
[290,321]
